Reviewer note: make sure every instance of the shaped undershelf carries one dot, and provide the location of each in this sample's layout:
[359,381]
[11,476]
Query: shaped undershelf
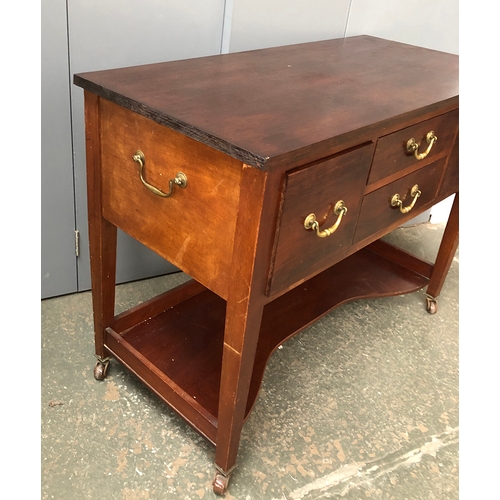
[177,351]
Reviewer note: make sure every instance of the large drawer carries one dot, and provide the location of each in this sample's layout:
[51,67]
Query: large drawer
[392,158]
[194,227]
[378,213]
[316,189]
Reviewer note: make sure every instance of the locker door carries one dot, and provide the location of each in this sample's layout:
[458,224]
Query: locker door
[58,259]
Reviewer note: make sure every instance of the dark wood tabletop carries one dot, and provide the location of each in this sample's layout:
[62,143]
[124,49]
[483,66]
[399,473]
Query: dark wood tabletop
[258,106]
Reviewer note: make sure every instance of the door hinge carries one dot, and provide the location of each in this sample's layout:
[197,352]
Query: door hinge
[77,243]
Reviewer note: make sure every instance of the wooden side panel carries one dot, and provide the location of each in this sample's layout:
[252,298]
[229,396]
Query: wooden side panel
[194,228]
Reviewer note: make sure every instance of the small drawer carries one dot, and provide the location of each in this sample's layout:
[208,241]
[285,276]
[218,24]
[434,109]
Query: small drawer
[316,189]
[379,212]
[194,227]
[392,155]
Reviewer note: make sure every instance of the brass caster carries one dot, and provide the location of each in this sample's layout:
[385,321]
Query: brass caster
[101,369]
[220,483]
[432,305]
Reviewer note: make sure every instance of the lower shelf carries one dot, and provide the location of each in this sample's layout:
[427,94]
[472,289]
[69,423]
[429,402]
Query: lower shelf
[178,352]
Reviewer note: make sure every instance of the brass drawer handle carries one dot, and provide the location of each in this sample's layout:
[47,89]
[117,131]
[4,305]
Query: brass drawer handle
[310,221]
[396,200]
[412,145]
[179,180]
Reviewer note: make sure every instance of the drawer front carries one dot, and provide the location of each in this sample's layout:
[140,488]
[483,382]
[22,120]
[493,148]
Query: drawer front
[379,214]
[194,227]
[316,189]
[392,157]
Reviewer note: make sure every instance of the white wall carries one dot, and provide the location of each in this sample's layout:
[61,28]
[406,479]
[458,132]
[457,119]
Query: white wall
[264,23]
[428,23]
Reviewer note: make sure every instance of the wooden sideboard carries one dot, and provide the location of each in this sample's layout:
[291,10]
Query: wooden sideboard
[269,177]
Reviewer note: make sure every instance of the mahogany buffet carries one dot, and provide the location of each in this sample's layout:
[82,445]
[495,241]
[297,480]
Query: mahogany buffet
[268,177]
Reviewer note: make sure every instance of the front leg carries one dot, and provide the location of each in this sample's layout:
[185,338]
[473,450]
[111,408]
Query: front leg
[245,304]
[240,342]
[447,249]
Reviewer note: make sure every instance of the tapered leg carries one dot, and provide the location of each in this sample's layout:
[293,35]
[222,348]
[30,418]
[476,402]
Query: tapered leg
[102,238]
[240,344]
[244,309]
[447,249]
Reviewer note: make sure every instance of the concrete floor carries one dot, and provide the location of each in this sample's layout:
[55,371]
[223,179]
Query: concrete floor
[363,404]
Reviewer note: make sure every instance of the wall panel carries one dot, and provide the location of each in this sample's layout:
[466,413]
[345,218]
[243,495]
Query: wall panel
[262,23]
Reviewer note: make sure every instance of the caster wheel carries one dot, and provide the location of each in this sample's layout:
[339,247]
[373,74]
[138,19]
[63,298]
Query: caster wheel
[220,483]
[432,306]
[100,370]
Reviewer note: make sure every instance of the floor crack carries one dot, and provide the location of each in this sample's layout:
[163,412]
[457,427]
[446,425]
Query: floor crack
[349,476]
